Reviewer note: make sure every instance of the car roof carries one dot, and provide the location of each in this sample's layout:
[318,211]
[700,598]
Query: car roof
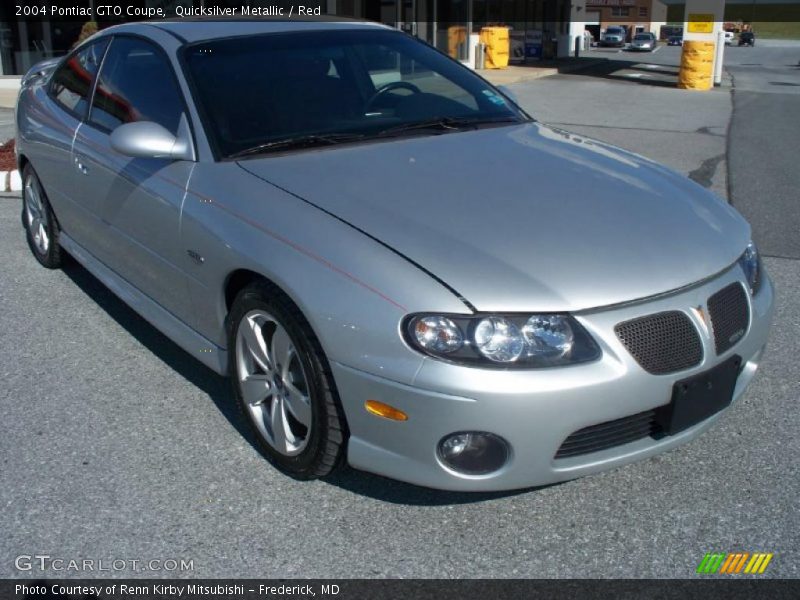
[201,29]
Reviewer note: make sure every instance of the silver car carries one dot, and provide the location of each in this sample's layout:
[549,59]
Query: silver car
[394,264]
[643,42]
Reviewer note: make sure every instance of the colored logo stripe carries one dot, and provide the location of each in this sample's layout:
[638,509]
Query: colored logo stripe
[716,562]
[710,563]
[734,562]
[758,564]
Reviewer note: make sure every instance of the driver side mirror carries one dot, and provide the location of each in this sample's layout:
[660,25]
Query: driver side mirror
[145,139]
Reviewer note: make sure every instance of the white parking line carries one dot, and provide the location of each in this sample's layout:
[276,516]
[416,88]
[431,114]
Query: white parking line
[657,48]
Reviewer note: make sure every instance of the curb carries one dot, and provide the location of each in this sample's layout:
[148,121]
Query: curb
[10,181]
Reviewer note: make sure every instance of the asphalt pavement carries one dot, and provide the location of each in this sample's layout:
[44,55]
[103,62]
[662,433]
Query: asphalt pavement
[116,444]
[766,134]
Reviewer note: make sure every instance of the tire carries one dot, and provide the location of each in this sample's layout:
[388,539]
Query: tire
[299,424]
[41,227]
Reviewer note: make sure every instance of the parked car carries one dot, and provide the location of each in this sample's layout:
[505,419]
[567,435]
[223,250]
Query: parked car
[614,36]
[729,35]
[392,262]
[643,42]
[747,38]
[675,40]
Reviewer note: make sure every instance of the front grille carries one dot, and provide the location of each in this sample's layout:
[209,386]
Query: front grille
[662,343]
[730,316]
[609,434]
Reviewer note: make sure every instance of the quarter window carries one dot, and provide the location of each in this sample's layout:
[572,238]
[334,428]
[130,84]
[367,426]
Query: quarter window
[136,84]
[72,82]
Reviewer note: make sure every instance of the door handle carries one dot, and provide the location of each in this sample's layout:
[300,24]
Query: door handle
[80,166]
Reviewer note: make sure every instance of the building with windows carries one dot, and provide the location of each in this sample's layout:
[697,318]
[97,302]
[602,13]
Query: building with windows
[635,15]
[539,28]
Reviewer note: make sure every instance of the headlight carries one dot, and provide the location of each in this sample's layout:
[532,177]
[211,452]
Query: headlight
[438,335]
[508,341]
[750,262]
[498,339]
[549,336]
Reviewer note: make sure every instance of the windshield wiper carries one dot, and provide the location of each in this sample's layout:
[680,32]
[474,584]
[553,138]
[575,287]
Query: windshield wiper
[329,139]
[447,124]
[299,141]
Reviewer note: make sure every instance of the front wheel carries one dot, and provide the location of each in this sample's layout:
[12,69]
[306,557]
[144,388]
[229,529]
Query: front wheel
[41,228]
[283,384]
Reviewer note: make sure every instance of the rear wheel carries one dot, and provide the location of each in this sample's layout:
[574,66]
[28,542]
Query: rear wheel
[283,384]
[41,228]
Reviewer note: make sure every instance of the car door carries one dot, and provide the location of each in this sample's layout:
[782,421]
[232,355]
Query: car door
[65,103]
[139,199]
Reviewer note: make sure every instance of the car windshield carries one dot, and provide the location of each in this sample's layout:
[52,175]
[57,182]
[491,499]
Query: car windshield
[282,91]
[642,37]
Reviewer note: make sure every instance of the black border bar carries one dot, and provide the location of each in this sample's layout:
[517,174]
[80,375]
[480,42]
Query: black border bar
[702,588]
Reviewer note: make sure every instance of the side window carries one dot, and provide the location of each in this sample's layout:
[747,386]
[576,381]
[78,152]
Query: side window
[136,84]
[72,82]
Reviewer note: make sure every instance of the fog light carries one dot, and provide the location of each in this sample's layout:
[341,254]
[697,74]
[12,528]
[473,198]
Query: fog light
[473,452]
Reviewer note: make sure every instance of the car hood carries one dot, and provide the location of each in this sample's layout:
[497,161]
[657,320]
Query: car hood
[524,217]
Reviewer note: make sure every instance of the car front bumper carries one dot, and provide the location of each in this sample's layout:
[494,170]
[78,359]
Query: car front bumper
[536,410]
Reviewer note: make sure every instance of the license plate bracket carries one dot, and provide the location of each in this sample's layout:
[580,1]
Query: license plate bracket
[696,398]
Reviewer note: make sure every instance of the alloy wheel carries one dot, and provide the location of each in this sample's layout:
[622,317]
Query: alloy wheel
[36,219]
[273,383]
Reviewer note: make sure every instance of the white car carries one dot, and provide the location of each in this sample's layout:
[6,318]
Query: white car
[728,38]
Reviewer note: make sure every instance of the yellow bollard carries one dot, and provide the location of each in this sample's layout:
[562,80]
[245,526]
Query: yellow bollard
[498,45]
[697,66]
[456,37]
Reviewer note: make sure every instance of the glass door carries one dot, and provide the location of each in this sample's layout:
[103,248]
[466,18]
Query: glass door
[415,17]
[407,16]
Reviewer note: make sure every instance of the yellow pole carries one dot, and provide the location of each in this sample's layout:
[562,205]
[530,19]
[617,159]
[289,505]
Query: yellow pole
[702,21]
